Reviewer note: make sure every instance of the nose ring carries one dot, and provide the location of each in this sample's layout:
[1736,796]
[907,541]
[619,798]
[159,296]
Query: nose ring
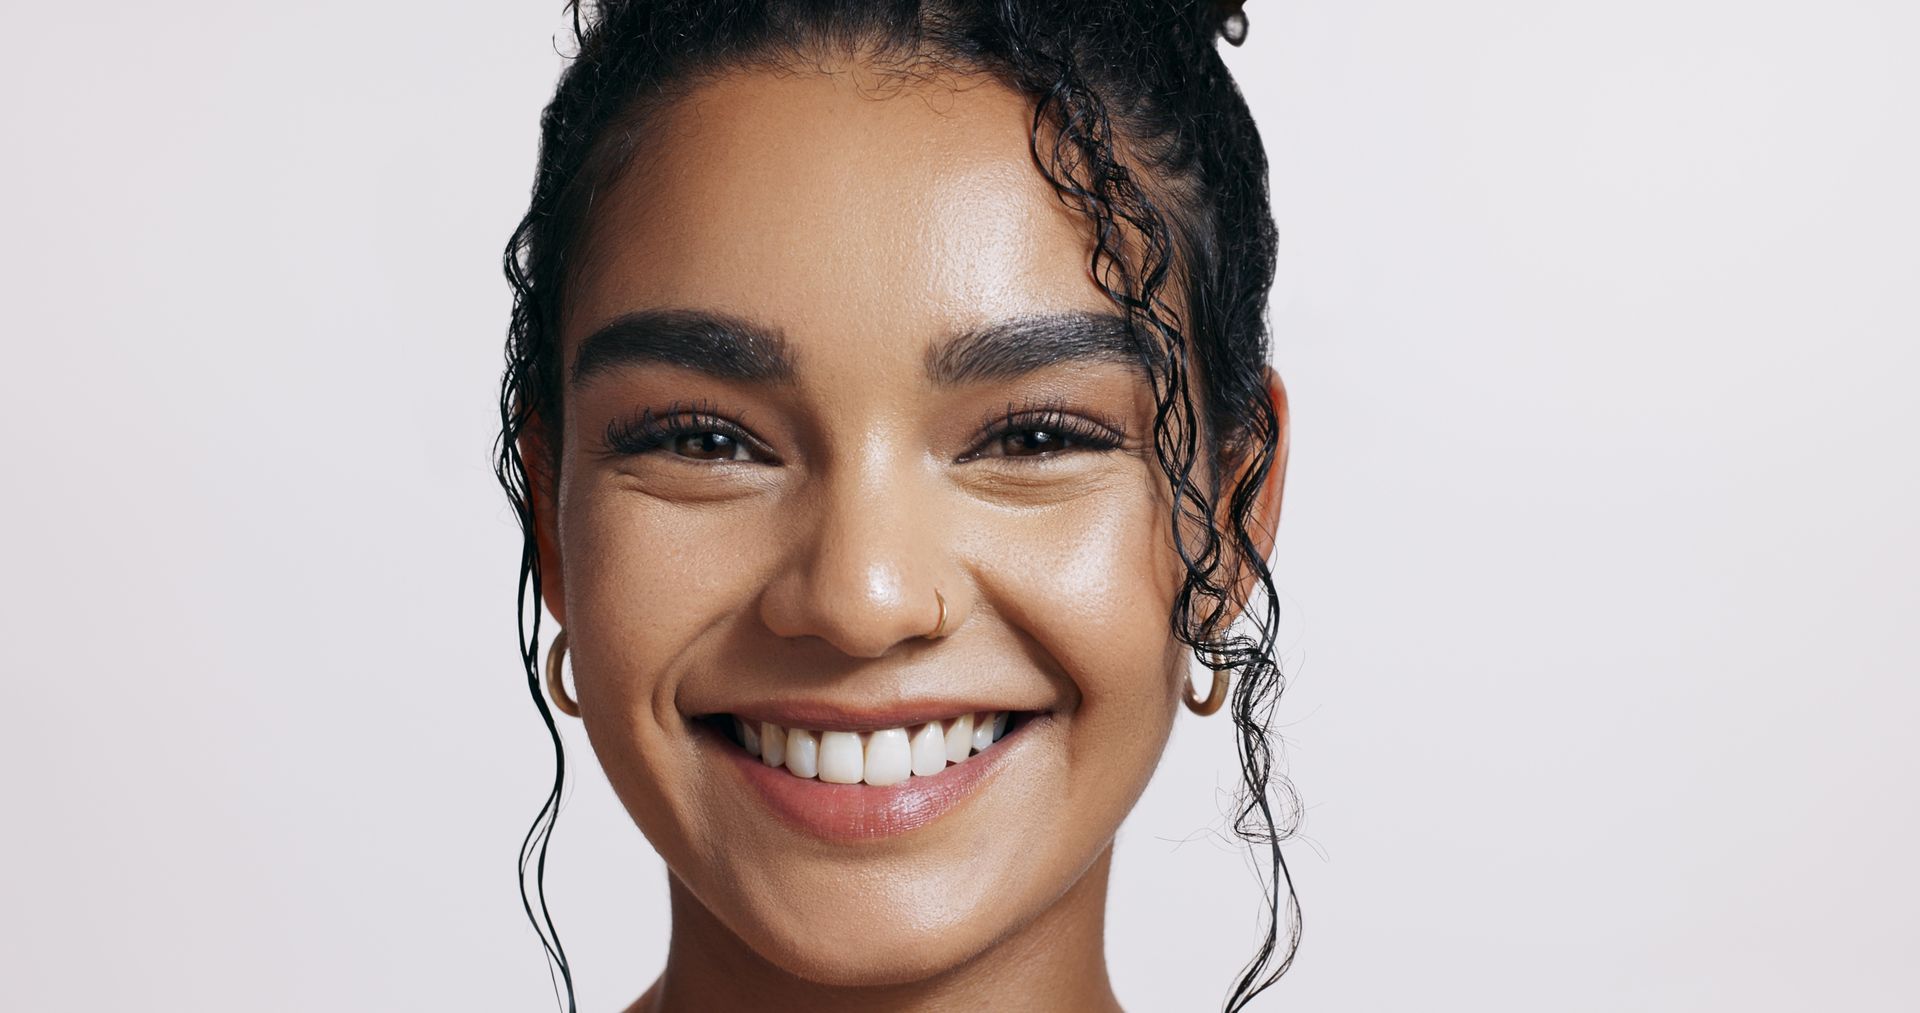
[939,628]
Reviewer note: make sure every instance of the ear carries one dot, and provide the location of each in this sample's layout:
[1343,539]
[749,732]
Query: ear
[543,499]
[1263,522]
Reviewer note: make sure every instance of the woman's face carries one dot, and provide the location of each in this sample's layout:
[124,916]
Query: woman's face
[832,353]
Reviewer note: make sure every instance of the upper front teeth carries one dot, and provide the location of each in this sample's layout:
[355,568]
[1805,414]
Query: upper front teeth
[883,757]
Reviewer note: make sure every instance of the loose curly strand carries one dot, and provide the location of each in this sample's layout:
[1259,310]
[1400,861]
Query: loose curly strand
[1108,194]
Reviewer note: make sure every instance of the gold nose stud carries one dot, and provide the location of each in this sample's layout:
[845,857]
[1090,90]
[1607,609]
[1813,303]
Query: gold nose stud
[939,628]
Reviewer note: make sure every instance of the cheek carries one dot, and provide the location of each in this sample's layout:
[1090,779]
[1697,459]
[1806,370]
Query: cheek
[1086,595]
[649,585]
[650,578]
[1092,585]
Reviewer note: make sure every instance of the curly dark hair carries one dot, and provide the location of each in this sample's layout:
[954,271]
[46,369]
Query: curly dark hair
[1141,79]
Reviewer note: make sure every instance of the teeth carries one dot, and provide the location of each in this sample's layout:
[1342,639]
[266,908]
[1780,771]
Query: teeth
[960,738]
[982,731]
[841,761]
[929,749]
[889,757]
[773,744]
[881,757]
[803,753]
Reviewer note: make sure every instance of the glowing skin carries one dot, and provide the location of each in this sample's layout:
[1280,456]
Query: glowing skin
[799,572]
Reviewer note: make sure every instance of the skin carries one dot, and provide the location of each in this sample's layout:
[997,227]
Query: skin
[865,229]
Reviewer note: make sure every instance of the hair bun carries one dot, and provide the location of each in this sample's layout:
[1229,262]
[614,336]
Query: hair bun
[1230,20]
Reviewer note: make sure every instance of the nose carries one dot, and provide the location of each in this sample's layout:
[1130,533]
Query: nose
[868,555]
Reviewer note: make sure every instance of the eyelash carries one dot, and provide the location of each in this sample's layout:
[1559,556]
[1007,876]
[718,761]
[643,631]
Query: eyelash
[648,431]
[1049,417]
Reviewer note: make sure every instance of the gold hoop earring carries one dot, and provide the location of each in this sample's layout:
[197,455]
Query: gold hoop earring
[555,687]
[1216,695]
[939,628]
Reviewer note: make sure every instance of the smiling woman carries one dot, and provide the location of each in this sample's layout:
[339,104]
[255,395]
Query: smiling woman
[888,416]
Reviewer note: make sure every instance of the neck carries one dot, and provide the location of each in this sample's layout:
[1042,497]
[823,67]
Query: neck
[1056,961]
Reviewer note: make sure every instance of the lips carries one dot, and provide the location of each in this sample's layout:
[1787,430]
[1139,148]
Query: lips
[848,785]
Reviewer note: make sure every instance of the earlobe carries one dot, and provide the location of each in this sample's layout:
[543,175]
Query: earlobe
[543,498]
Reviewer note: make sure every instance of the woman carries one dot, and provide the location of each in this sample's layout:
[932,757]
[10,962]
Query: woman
[883,377]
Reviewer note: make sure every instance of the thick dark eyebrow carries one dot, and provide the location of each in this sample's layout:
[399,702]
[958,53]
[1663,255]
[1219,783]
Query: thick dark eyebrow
[1012,348]
[737,349]
[713,343]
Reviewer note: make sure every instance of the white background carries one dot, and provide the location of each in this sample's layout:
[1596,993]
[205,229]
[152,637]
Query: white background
[1599,552]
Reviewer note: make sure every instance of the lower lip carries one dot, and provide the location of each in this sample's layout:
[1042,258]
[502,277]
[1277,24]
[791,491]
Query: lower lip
[858,812]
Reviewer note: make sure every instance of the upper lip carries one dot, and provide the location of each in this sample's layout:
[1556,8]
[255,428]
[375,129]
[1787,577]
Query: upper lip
[832,716]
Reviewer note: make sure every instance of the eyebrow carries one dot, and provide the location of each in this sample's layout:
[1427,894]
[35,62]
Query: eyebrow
[1012,348]
[714,343]
[734,348]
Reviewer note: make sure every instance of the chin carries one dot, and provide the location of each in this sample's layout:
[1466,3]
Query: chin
[859,946]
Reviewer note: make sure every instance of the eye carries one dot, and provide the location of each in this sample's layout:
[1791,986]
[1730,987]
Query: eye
[1045,433]
[693,434]
[708,445]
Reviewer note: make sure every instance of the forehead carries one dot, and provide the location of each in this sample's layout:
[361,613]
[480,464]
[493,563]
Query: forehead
[838,203]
